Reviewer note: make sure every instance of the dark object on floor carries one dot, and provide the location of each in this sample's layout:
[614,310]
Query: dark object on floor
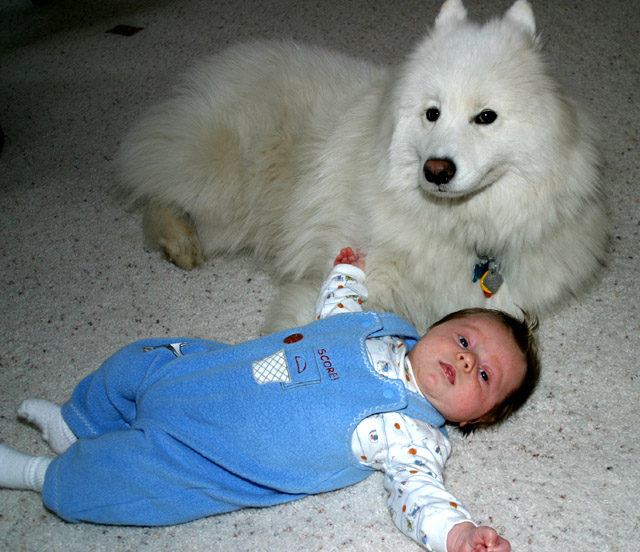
[125,30]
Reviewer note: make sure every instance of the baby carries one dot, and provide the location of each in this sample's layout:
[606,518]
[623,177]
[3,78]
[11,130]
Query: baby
[167,431]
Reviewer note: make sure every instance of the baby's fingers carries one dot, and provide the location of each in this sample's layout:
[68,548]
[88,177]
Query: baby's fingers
[491,541]
[498,545]
[346,256]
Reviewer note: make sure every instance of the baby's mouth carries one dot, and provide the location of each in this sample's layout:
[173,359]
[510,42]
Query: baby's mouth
[449,371]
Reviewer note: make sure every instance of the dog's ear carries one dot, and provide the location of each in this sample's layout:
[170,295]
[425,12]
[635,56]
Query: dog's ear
[521,14]
[451,12]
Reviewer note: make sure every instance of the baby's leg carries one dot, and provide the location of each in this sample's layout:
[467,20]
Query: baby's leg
[22,471]
[47,417]
[105,400]
[135,477]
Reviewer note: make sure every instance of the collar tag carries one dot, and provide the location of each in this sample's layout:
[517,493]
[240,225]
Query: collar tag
[480,269]
[486,272]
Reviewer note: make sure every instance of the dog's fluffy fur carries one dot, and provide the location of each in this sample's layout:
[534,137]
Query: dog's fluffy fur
[294,152]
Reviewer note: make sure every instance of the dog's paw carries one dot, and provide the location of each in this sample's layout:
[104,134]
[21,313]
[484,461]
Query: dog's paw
[182,250]
[174,234]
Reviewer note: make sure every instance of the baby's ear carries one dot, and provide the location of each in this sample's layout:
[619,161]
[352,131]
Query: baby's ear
[482,420]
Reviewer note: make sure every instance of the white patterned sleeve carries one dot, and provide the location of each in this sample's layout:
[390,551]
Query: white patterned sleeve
[412,455]
[342,291]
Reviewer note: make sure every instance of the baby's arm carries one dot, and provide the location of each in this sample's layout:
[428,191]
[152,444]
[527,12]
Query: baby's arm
[412,455]
[344,289]
[466,537]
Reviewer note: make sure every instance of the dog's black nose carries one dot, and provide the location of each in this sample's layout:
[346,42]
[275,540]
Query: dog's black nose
[439,171]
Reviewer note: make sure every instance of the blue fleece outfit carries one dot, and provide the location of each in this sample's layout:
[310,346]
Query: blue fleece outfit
[174,430]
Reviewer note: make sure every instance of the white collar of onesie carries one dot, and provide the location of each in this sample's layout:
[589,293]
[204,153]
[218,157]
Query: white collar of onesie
[410,378]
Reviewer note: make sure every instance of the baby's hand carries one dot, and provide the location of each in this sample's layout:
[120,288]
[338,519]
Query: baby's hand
[347,256]
[465,537]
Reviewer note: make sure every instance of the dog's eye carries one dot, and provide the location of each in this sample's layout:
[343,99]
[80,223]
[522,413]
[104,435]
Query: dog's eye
[486,117]
[432,114]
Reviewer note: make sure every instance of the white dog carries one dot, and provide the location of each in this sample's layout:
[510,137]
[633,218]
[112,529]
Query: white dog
[467,161]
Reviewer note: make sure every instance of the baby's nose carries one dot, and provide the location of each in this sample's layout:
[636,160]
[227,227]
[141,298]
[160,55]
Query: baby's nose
[466,362]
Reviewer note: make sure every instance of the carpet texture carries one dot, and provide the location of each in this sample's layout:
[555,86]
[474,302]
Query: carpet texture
[77,281]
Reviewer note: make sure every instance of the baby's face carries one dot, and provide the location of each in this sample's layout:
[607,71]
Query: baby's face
[465,367]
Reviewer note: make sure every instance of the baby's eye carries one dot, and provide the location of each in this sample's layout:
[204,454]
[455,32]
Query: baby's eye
[464,342]
[484,375]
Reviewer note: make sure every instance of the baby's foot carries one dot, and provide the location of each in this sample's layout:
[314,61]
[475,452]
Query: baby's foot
[22,471]
[47,417]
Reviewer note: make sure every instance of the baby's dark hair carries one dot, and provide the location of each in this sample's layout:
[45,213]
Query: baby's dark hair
[523,331]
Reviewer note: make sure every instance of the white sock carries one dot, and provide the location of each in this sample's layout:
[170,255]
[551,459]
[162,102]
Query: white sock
[22,471]
[47,417]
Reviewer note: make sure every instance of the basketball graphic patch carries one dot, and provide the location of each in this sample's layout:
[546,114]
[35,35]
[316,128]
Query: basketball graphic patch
[273,368]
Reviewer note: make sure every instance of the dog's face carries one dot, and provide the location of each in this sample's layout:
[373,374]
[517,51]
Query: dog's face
[470,103]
